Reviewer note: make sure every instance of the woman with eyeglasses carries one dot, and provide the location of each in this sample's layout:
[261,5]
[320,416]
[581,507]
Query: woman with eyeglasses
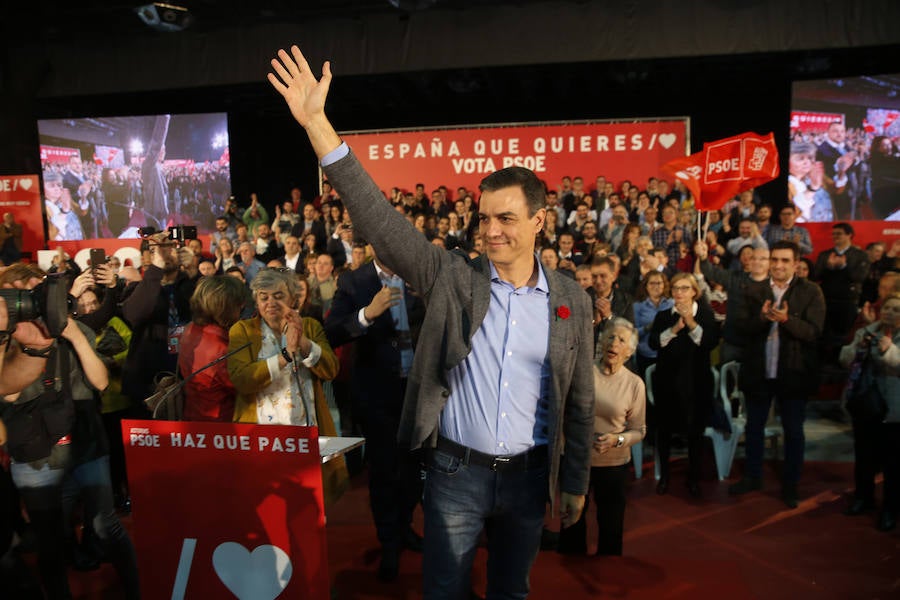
[279,376]
[683,336]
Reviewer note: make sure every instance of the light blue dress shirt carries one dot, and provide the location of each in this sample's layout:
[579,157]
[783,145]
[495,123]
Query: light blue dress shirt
[499,394]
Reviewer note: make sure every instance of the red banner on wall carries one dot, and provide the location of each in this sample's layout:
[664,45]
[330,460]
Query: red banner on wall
[21,196]
[225,510]
[464,156]
[813,122]
[58,154]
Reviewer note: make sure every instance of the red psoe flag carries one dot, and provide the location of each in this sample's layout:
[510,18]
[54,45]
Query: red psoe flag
[726,168]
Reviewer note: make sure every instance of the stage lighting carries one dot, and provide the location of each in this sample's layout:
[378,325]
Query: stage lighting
[165,17]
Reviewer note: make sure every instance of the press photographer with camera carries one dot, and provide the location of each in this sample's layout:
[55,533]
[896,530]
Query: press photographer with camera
[158,309]
[54,428]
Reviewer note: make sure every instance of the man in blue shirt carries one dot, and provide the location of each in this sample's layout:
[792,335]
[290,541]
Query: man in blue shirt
[501,387]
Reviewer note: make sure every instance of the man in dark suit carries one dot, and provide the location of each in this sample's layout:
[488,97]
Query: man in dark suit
[501,387]
[375,310]
[841,271]
[841,171]
[311,224]
[781,323]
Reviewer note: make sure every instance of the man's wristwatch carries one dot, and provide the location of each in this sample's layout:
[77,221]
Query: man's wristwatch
[620,441]
[287,355]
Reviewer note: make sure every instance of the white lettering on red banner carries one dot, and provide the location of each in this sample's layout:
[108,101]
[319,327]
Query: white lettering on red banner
[462,157]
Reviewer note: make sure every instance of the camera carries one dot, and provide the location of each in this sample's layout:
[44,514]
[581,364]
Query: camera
[180,233]
[49,301]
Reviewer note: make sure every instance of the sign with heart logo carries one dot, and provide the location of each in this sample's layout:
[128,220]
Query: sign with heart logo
[667,139]
[259,575]
[20,195]
[227,510]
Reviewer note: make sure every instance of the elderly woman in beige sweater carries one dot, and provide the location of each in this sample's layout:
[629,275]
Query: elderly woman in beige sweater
[619,423]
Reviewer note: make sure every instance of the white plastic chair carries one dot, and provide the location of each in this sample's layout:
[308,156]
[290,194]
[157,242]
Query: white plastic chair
[729,390]
[724,446]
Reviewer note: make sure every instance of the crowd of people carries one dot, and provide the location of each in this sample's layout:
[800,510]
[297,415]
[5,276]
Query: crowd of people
[84,200]
[844,174]
[473,334]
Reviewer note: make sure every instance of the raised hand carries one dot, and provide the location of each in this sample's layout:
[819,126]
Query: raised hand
[294,80]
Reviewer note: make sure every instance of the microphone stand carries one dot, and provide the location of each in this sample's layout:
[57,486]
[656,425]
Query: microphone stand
[295,369]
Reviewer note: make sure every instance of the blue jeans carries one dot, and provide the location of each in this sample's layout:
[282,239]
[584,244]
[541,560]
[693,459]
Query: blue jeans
[793,413]
[460,500]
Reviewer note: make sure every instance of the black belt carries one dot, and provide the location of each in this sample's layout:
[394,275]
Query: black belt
[533,458]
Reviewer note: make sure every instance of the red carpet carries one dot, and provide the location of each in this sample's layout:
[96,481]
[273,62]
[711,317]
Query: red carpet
[675,547]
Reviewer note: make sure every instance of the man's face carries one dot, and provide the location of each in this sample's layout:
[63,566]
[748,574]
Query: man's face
[443,225]
[759,263]
[291,245]
[787,216]
[75,165]
[263,231]
[669,215]
[601,183]
[248,253]
[620,215]
[582,211]
[549,259]
[875,252]
[357,256]
[565,244]
[505,226]
[589,231]
[837,133]
[608,188]
[840,237]
[603,279]
[650,214]
[782,265]
[207,269]
[295,196]
[241,231]
[420,191]
[745,229]
[196,247]
[309,212]
[763,214]
[552,199]
[584,278]
[324,266]
[288,207]
[566,183]
[578,184]
[436,199]
[661,257]
[221,225]
[346,234]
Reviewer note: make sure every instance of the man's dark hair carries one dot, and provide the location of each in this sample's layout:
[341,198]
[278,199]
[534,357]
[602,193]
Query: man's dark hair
[786,245]
[846,227]
[604,260]
[532,187]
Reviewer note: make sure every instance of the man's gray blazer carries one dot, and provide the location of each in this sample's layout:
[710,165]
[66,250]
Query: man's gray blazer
[457,294]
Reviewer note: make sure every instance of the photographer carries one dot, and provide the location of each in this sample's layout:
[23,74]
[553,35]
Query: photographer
[158,310]
[54,432]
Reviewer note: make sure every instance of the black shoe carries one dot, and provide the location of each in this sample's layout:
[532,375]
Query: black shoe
[389,567]
[662,486]
[789,495]
[549,539]
[745,485]
[887,521]
[694,489]
[412,541]
[858,507]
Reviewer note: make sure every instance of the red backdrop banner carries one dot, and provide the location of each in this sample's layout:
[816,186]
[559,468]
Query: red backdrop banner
[21,196]
[464,156]
[225,510]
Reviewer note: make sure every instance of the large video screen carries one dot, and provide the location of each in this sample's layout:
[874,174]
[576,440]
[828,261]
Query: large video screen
[845,148]
[107,177]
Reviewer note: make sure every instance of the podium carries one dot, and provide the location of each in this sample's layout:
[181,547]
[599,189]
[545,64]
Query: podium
[229,510]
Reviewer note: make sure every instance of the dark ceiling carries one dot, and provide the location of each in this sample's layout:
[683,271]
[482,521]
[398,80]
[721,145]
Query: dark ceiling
[63,20]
